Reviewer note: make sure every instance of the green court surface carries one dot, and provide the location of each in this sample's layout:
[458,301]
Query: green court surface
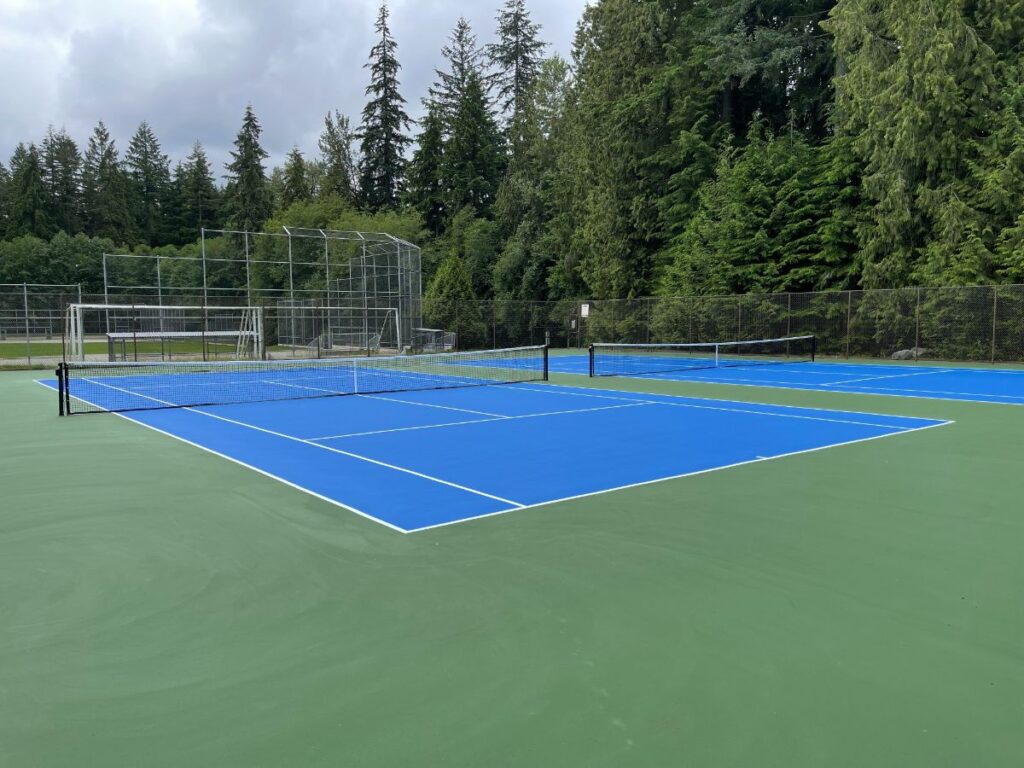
[857,606]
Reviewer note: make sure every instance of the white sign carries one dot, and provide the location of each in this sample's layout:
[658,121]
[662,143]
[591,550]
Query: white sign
[585,310]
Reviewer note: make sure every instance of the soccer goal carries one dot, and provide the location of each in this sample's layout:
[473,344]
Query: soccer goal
[159,332]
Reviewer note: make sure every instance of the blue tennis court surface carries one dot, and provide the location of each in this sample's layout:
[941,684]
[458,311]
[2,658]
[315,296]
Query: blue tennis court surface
[418,460]
[986,385]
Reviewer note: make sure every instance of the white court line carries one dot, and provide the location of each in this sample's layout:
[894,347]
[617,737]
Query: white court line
[516,506]
[552,388]
[677,477]
[233,460]
[433,405]
[387,399]
[927,392]
[485,421]
[739,410]
[304,441]
[917,394]
[876,378]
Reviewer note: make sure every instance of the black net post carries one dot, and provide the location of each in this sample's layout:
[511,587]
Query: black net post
[60,388]
[590,353]
[546,355]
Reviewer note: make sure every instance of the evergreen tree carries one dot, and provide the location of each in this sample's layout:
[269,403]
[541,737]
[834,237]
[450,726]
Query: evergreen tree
[624,119]
[463,58]
[515,59]
[247,199]
[339,167]
[5,204]
[62,176]
[525,205]
[426,189]
[768,57]
[105,189]
[198,195]
[295,185]
[382,134]
[474,240]
[473,160]
[450,303]
[760,223]
[919,93]
[28,200]
[149,176]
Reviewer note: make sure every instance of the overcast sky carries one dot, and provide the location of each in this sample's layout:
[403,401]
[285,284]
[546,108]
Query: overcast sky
[190,66]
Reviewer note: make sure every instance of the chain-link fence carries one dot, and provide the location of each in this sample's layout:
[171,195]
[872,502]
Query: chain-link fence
[983,324]
[32,321]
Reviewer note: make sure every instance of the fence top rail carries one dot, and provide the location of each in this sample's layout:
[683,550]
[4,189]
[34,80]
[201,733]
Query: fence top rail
[318,234]
[75,286]
[160,306]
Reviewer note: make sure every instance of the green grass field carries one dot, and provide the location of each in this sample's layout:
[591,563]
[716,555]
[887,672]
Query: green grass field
[14,350]
[858,606]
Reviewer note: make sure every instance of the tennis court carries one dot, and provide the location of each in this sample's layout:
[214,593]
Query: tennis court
[418,443]
[986,384]
[855,599]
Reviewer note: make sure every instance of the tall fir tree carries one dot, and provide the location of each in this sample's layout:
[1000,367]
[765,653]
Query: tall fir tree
[28,202]
[105,191]
[463,57]
[246,196]
[198,195]
[5,205]
[524,208]
[624,118]
[149,176]
[62,176]
[515,60]
[769,58]
[919,93]
[339,166]
[295,187]
[426,190]
[382,135]
[474,158]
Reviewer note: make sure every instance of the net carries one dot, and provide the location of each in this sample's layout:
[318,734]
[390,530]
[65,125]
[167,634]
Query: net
[648,359]
[115,387]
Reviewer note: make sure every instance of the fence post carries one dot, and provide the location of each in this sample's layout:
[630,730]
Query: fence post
[28,335]
[995,308]
[917,325]
[248,271]
[202,254]
[849,321]
[789,313]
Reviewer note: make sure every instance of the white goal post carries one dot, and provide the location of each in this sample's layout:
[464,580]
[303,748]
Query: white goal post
[106,322]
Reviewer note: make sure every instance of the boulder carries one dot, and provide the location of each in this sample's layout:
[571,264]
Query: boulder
[915,353]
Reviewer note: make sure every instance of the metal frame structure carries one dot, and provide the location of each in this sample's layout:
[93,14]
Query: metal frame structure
[359,278]
[166,322]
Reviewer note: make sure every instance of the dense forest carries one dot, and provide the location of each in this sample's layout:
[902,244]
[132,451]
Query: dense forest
[685,147]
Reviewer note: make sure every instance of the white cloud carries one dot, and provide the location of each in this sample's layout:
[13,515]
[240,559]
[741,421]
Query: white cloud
[190,66]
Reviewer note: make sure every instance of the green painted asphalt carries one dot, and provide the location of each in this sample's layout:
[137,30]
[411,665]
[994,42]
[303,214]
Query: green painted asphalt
[858,606]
